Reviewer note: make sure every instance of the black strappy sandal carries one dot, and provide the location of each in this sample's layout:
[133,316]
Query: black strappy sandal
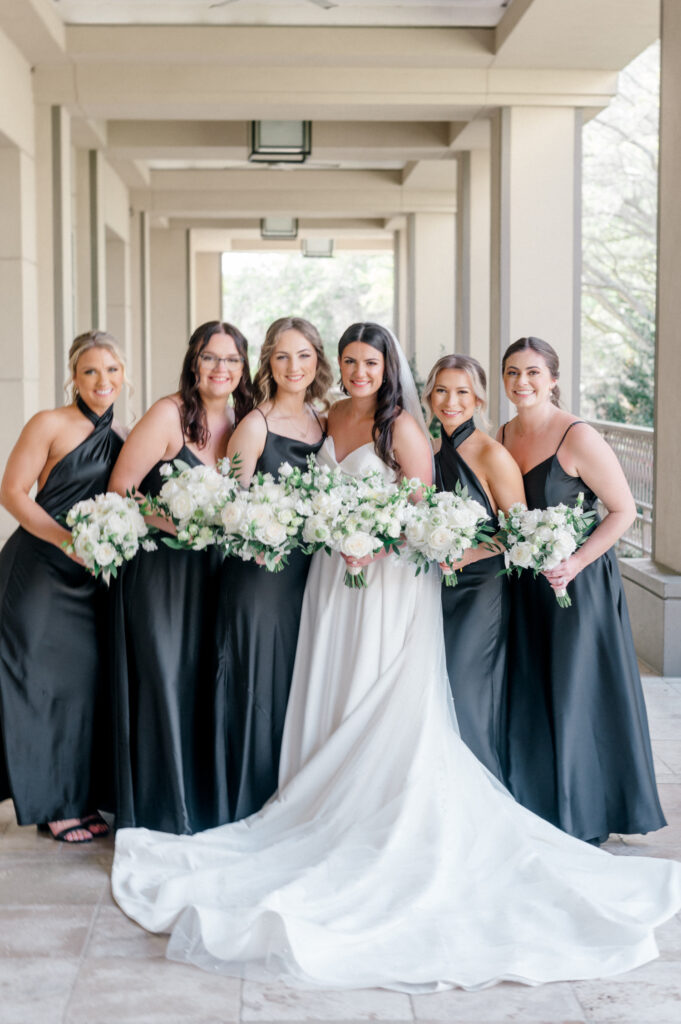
[60,837]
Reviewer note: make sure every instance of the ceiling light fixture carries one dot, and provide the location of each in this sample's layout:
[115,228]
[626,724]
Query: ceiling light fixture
[280,142]
[279,227]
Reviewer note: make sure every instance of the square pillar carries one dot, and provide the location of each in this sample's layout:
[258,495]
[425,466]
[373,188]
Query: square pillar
[431,246]
[653,585]
[170,306]
[536,239]
[473,256]
[19,349]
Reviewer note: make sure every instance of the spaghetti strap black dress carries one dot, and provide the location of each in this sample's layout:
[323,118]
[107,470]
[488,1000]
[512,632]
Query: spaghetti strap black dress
[579,749]
[475,617]
[257,633]
[54,761]
[163,634]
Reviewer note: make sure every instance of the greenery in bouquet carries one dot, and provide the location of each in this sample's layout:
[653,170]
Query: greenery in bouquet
[442,526]
[542,538]
[106,531]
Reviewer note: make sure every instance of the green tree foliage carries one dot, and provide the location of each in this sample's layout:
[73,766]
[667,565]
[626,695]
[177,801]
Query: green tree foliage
[619,249]
[331,293]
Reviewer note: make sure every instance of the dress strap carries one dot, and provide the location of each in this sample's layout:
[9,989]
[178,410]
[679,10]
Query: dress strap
[570,426]
[258,409]
[503,433]
[319,422]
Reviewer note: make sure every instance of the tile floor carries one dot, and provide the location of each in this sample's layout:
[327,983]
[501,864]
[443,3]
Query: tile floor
[68,955]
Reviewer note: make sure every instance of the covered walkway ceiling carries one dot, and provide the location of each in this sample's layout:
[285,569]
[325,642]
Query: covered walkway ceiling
[166,89]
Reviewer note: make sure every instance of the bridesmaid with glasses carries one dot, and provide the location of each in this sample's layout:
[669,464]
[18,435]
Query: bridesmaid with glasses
[53,723]
[579,748]
[165,603]
[476,611]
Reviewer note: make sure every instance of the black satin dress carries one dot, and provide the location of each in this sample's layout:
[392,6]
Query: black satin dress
[258,623]
[578,743]
[475,616]
[163,634]
[54,726]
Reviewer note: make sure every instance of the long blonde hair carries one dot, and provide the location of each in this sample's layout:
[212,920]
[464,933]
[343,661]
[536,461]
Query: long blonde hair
[83,343]
[264,385]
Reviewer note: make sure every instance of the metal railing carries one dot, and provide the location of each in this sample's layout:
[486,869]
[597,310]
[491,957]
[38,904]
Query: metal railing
[634,449]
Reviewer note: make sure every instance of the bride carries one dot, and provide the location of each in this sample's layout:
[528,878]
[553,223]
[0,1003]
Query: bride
[389,856]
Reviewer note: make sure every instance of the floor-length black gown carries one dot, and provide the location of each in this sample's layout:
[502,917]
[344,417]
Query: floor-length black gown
[257,633]
[54,726]
[162,651]
[475,617]
[579,750]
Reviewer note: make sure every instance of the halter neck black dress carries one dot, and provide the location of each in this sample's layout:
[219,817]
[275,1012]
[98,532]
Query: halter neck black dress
[257,633]
[54,725]
[579,750]
[163,634]
[475,618]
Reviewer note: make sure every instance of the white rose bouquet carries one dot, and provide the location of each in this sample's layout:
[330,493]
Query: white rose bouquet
[193,498]
[263,522]
[541,539]
[442,526]
[356,516]
[106,531]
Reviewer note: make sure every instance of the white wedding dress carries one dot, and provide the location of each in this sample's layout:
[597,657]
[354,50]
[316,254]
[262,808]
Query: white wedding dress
[389,857]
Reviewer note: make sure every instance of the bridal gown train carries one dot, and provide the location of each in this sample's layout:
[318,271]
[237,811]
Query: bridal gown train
[389,856]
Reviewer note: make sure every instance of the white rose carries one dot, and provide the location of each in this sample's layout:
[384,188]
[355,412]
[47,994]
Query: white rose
[359,545]
[232,516]
[543,534]
[315,531]
[522,554]
[394,527]
[104,554]
[272,533]
[259,515]
[285,516]
[181,505]
[416,532]
[441,539]
[285,470]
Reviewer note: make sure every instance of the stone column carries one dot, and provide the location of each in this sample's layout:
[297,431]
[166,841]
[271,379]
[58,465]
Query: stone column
[536,242]
[473,256]
[170,306]
[431,245]
[207,290]
[140,307]
[653,586]
[20,362]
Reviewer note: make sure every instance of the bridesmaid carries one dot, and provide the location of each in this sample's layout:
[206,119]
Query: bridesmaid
[257,635]
[164,612]
[579,749]
[51,678]
[476,610]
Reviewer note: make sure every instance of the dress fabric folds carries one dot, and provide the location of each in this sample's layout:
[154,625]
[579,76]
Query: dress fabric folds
[54,724]
[257,632]
[578,742]
[389,857]
[475,616]
[163,664]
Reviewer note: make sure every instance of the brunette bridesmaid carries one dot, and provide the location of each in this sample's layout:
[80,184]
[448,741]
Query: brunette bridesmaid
[475,611]
[53,721]
[579,748]
[257,634]
[164,613]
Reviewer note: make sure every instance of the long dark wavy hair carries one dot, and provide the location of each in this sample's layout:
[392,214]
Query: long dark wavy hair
[389,395]
[548,354]
[194,421]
